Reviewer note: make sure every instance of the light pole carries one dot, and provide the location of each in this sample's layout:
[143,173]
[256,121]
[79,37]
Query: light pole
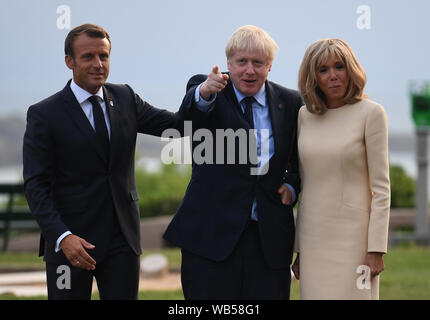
[420,97]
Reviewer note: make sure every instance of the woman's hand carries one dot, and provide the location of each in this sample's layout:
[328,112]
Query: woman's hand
[375,262]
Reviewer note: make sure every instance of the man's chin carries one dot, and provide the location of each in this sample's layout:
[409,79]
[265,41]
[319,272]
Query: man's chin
[248,91]
[95,86]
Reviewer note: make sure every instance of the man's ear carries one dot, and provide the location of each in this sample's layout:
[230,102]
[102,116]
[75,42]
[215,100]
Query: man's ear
[70,62]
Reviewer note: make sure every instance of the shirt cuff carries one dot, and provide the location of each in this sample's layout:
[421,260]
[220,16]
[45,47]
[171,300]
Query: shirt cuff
[57,244]
[202,104]
[293,192]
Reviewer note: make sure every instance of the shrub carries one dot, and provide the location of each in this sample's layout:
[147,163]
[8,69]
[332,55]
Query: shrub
[160,193]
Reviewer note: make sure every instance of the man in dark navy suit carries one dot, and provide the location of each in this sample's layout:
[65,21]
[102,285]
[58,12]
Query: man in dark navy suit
[78,154]
[235,224]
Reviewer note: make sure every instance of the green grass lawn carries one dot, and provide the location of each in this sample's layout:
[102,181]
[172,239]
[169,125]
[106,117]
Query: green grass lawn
[20,261]
[406,275]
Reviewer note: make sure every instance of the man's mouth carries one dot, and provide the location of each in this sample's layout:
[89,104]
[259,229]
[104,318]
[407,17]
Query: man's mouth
[96,75]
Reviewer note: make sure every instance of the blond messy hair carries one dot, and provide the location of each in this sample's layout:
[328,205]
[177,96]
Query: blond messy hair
[316,55]
[251,38]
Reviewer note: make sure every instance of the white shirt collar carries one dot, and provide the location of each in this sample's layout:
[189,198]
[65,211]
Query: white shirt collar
[81,94]
[260,96]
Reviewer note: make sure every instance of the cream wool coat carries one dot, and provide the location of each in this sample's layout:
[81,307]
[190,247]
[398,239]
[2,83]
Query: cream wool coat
[344,205]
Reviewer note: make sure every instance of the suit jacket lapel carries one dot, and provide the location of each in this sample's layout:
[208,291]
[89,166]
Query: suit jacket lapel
[77,114]
[276,114]
[231,96]
[113,111]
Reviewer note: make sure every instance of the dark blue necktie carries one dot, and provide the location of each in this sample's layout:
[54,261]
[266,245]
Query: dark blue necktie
[100,125]
[248,110]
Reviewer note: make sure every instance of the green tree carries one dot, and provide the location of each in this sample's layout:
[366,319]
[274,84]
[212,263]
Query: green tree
[402,188]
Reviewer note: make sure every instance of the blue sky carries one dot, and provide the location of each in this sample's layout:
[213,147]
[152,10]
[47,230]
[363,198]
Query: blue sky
[158,45]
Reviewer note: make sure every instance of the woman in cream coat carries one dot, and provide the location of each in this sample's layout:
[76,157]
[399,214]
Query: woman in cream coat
[343,213]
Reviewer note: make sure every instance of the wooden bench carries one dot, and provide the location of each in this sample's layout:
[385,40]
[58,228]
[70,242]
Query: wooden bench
[10,212]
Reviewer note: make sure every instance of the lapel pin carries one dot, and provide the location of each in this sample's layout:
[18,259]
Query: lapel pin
[110,102]
[280,106]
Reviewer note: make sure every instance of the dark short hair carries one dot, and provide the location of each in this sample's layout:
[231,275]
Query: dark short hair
[91,30]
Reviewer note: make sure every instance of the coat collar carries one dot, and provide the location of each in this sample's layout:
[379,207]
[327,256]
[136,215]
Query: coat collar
[260,96]
[81,94]
[273,101]
[276,113]
[75,111]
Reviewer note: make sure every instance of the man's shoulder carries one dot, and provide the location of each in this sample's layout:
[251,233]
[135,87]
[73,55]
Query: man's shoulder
[49,102]
[196,80]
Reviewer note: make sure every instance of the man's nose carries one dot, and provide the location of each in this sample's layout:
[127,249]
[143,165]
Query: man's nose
[97,62]
[250,68]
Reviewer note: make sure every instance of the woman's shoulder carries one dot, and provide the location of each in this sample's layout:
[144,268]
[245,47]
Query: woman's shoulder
[303,112]
[373,112]
[370,105]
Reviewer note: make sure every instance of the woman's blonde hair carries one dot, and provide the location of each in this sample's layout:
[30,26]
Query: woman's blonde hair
[316,55]
[251,38]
